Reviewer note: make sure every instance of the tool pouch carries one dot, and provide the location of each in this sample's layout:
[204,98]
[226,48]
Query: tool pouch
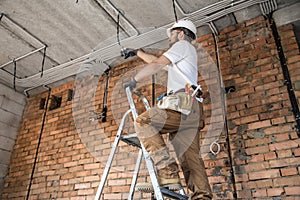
[181,102]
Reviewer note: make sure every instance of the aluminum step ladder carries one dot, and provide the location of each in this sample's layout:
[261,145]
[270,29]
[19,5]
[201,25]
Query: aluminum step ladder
[131,139]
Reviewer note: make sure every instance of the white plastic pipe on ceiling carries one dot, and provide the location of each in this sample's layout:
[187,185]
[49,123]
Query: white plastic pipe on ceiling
[200,17]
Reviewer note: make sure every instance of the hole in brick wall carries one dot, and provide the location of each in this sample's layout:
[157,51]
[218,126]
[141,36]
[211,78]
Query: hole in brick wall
[70,95]
[42,103]
[230,89]
[55,102]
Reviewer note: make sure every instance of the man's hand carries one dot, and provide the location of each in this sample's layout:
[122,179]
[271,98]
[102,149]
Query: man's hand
[128,52]
[131,84]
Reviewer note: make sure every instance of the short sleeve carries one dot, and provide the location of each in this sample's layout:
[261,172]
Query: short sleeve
[176,52]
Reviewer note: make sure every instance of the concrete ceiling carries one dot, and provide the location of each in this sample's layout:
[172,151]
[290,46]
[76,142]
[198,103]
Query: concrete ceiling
[76,30]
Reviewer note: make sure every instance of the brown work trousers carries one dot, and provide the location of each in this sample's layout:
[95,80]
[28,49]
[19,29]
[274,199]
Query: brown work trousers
[185,137]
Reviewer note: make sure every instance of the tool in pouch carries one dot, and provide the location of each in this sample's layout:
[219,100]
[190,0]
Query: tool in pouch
[180,101]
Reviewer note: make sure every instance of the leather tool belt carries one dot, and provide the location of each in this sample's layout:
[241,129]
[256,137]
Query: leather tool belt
[180,101]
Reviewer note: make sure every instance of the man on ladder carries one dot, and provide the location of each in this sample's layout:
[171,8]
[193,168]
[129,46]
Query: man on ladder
[177,113]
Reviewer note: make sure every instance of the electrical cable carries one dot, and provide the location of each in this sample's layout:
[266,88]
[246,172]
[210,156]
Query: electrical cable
[43,61]
[104,108]
[285,71]
[118,28]
[213,12]
[267,9]
[153,90]
[15,73]
[174,10]
[39,142]
[2,14]
[225,117]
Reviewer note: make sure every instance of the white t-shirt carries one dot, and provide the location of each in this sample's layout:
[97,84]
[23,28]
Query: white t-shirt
[183,69]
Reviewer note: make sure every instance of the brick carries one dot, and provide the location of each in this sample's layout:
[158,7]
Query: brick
[297,152]
[91,178]
[270,156]
[120,189]
[234,115]
[64,160]
[282,137]
[283,145]
[286,181]
[92,166]
[257,150]
[257,166]
[278,129]
[261,124]
[241,194]
[47,173]
[259,193]
[112,196]
[216,179]
[248,119]
[287,35]
[117,182]
[279,120]
[75,169]
[275,192]
[71,164]
[284,162]
[284,153]
[257,140]
[269,84]
[257,158]
[82,186]
[85,192]
[264,183]
[264,174]
[288,171]
[286,27]
[292,190]
[264,62]
[293,59]
[293,135]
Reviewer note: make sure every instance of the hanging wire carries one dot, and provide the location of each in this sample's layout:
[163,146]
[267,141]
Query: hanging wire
[2,14]
[38,144]
[118,28]
[43,62]
[15,73]
[174,10]
[215,38]
[77,1]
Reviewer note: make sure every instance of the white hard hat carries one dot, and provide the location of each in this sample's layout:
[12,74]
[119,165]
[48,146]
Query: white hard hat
[184,23]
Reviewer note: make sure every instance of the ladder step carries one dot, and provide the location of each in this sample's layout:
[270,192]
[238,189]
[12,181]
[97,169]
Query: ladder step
[166,191]
[131,139]
[148,188]
[173,195]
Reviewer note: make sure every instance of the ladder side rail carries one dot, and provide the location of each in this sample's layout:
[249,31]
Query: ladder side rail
[147,157]
[152,174]
[143,98]
[138,163]
[111,157]
[182,194]
[135,174]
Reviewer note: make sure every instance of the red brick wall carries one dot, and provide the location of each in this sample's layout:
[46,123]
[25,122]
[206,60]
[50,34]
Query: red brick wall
[263,144]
